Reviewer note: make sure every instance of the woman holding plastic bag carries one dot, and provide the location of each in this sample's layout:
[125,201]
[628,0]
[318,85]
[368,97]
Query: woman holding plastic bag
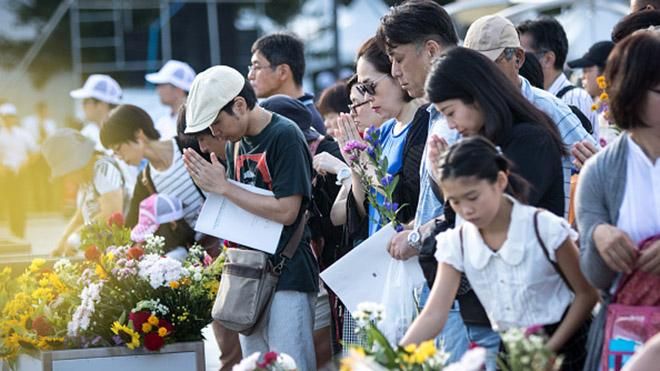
[618,207]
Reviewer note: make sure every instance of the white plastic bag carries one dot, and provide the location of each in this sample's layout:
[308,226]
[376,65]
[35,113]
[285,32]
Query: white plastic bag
[398,302]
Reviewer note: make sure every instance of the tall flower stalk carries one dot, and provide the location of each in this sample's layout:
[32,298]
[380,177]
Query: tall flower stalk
[366,158]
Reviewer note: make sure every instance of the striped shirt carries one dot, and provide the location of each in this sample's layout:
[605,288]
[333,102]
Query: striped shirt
[577,97]
[175,181]
[569,126]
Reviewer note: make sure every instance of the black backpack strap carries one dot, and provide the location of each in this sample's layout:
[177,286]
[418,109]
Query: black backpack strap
[565,90]
[545,250]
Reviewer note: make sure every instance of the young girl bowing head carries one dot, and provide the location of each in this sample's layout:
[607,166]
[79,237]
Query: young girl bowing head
[519,281]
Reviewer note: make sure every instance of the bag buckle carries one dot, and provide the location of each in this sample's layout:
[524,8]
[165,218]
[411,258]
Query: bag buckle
[277,269]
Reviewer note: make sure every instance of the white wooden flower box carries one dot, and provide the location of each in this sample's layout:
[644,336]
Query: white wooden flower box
[179,356]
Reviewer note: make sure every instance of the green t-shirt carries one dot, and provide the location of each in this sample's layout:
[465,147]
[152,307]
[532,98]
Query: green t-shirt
[277,159]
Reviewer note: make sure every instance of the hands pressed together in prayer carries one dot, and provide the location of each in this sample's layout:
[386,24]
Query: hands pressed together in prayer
[209,176]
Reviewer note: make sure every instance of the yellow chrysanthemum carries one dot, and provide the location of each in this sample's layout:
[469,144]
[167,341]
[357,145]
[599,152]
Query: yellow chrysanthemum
[146,327]
[604,96]
[162,332]
[174,285]
[100,272]
[153,320]
[594,107]
[50,342]
[36,265]
[410,348]
[110,256]
[130,337]
[600,80]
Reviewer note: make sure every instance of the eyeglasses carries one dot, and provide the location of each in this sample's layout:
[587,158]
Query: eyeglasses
[353,107]
[369,87]
[252,67]
[507,54]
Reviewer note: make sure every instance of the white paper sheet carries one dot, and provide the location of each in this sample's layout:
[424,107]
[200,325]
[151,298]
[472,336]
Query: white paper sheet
[360,275]
[224,219]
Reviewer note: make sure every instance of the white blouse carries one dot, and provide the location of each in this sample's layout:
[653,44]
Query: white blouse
[517,285]
[639,214]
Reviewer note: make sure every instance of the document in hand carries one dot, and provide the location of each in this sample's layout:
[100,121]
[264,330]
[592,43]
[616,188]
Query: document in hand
[362,274]
[224,219]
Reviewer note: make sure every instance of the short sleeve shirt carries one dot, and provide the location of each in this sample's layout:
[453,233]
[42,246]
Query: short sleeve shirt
[516,284]
[107,178]
[278,159]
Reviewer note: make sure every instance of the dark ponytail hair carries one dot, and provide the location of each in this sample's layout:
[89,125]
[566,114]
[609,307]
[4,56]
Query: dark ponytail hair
[473,78]
[478,157]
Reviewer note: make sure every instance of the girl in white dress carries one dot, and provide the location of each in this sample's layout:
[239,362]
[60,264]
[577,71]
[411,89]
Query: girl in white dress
[522,263]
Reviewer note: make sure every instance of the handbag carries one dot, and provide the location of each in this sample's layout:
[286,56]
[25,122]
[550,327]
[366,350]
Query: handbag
[633,316]
[248,284]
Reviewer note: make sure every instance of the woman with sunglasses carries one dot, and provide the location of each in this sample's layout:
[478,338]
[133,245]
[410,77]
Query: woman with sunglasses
[404,132]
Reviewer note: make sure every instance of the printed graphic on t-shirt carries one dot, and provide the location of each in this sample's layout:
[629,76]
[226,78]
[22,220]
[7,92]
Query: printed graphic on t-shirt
[253,169]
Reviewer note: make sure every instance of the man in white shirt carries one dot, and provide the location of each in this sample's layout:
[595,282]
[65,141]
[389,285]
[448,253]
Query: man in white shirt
[99,95]
[172,84]
[592,64]
[17,148]
[546,39]
[496,37]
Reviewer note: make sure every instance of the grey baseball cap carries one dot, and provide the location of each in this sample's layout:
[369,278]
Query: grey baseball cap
[67,151]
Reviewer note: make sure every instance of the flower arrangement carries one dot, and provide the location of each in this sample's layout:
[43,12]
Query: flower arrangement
[271,361]
[526,351]
[117,296]
[366,157]
[379,354]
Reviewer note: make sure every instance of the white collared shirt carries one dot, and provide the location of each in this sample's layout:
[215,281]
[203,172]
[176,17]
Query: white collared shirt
[639,214]
[517,285]
[16,146]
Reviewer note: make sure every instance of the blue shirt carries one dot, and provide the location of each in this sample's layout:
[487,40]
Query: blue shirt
[392,146]
[570,127]
[429,206]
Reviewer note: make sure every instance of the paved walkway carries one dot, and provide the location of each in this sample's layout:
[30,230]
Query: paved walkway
[43,232]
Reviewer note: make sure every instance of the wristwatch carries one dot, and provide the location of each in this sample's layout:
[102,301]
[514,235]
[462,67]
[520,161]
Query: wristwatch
[415,240]
[342,174]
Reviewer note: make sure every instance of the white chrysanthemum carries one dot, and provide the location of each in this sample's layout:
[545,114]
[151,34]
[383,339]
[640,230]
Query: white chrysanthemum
[160,270]
[286,362]
[80,320]
[248,363]
[61,265]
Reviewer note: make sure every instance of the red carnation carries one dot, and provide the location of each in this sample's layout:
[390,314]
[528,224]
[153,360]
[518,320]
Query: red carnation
[473,345]
[42,326]
[138,318]
[117,218]
[153,342]
[92,253]
[135,252]
[269,359]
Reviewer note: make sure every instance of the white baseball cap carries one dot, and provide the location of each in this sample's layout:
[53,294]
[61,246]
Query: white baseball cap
[210,92]
[101,87]
[8,109]
[177,73]
[490,35]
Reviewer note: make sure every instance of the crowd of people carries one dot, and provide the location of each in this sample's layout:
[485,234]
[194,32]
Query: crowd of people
[528,199]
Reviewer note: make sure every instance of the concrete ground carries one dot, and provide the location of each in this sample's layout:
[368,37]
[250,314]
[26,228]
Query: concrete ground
[43,232]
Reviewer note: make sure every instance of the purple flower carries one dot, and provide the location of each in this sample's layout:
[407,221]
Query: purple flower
[390,206]
[371,152]
[398,227]
[386,180]
[355,145]
[372,135]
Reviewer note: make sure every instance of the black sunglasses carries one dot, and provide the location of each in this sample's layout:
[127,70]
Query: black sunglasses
[353,107]
[369,87]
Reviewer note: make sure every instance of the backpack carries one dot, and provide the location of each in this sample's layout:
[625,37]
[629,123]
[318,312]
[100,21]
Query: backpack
[633,315]
[584,120]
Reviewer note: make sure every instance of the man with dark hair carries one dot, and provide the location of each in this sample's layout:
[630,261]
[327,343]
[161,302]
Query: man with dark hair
[633,22]
[546,38]
[414,34]
[639,5]
[267,151]
[277,66]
